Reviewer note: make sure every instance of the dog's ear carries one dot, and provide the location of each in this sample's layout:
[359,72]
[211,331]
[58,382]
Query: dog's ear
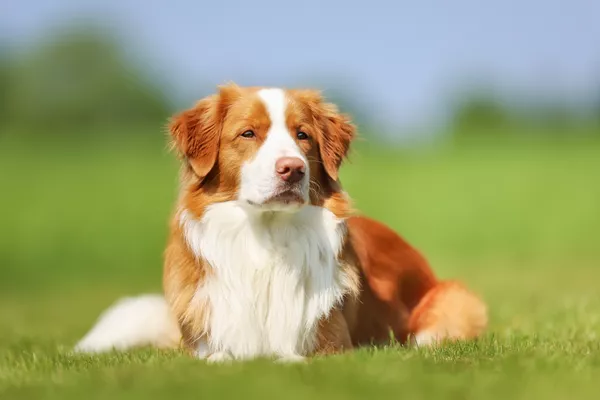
[337,130]
[195,135]
[195,132]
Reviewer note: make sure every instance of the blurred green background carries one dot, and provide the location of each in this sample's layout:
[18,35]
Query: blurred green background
[504,194]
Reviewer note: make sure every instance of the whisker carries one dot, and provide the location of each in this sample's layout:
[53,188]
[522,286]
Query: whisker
[316,160]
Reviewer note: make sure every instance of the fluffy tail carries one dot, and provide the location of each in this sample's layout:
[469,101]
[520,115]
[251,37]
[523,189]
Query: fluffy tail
[132,322]
[448,311]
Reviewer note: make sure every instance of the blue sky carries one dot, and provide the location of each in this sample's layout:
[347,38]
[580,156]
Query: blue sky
[402,60]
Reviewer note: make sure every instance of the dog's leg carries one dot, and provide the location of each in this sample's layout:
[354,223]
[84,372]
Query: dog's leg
[202,351]
[220,357]
[333,335]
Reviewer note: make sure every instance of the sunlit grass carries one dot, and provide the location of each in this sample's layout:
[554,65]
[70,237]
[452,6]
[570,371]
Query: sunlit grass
[85,222]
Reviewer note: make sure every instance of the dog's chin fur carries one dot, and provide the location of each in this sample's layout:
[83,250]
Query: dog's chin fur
[289,201]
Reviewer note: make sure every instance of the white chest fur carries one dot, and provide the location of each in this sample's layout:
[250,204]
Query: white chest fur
[275,275]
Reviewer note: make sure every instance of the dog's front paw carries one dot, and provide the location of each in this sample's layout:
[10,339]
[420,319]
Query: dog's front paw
[220,357]
[291,359]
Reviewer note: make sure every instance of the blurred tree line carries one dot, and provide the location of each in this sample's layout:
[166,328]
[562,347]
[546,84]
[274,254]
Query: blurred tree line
[483,113]
[81,80]
[76,81]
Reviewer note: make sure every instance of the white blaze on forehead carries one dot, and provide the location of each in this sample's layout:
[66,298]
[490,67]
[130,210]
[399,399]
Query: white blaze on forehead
[259,180]
[276,103]
[278,141]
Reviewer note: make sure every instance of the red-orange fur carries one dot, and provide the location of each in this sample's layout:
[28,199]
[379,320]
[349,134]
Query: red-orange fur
[394,288]
[401,294]
[450,311]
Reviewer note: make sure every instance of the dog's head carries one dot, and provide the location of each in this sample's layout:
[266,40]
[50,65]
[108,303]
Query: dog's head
[271,149]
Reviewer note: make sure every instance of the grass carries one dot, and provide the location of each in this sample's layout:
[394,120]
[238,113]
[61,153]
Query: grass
[82,223]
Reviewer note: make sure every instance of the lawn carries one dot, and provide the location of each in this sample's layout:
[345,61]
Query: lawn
[84,221]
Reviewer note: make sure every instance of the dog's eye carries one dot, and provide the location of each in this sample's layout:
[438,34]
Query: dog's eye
[302,135]
[248,135]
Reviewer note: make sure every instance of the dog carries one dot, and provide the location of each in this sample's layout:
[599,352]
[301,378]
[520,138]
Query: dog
[266,256]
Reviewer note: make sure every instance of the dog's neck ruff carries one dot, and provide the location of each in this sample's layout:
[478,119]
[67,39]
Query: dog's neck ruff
[274,276]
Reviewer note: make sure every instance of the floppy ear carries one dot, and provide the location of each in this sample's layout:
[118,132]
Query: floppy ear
[335,143]
[195,134]
[337,130]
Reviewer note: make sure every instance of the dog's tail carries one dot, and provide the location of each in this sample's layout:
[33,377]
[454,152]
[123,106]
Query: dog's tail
[448,311]
[133,322]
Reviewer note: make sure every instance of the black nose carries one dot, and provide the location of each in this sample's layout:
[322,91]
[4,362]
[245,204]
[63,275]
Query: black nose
[290,169]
